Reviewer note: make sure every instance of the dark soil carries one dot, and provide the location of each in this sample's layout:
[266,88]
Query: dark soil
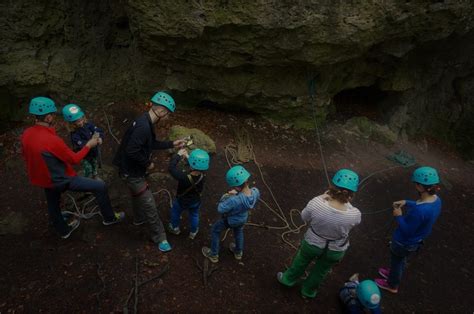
[42,273]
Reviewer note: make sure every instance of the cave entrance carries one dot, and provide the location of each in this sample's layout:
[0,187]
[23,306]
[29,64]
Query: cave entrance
[360,101]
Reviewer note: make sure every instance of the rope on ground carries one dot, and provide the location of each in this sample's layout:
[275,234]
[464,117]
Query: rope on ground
[83,212]
[168,193]
[242,151]
[110,127]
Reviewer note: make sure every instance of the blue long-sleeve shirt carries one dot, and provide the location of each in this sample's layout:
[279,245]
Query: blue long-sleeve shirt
[417,223]
[235,208]
[81,136]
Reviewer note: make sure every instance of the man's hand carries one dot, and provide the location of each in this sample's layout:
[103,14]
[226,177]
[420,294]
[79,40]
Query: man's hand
[179,143]
[93,142]
[151,166]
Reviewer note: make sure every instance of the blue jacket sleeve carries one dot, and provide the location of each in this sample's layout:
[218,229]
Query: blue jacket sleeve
[226,205]
[93,128]
[409,223]
[410,204]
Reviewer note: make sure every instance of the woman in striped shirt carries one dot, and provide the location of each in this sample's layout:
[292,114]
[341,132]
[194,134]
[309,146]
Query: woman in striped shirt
[330,218]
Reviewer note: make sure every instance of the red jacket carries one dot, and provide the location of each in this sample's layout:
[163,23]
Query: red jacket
[48,159]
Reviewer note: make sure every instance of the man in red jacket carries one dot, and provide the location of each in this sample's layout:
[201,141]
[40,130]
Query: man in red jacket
[49,164]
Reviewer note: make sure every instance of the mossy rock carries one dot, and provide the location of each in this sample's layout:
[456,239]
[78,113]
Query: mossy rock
[371,130]
[200,139]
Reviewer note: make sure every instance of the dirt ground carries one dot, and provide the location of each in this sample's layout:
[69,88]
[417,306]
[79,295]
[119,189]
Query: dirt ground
[94,270]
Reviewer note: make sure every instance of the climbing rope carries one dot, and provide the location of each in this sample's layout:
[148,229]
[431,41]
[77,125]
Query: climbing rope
[242,151]
[82,212]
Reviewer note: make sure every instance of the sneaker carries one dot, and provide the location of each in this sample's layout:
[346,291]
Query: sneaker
[207,253]
[164,246]
[308,295]
[73,226]
[173,230]
[383,284]
[283,281]
[192,235]
[139,223]
[384,272]
[118,217]
[237,255]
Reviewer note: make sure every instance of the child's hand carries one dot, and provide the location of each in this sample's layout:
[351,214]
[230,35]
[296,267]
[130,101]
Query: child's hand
[183,152]
[232,192]
[399,203]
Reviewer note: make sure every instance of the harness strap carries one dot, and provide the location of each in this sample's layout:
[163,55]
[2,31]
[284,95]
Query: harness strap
[329,240]
[193,184]
[139,193]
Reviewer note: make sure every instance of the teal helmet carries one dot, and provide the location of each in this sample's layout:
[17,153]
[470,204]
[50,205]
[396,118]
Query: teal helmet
[165,100]
[236,176]
[40,106]
[346,179]
[425,176]
[72,112]
[368,294]
[199,160]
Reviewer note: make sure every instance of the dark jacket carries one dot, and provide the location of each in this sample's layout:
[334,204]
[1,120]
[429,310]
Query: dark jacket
[134,153]
[80,137]
[184,183]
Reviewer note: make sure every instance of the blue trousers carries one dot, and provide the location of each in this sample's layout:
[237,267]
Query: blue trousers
[399,254]
[79,184]
[193,210]
[220,226]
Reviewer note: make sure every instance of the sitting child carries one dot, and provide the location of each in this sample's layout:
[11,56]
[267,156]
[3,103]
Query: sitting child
[83,131]
[234,207]
[358,297]
[190,185]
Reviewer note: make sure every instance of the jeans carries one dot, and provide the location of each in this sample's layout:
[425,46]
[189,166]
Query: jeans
[144,207]
[399,254]
[325,259]
[79,184]
[176,211]
[220,226]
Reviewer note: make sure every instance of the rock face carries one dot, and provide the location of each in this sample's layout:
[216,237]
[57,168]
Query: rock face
[268,56]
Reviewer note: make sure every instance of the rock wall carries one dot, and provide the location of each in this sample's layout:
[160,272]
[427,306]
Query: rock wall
[265,56]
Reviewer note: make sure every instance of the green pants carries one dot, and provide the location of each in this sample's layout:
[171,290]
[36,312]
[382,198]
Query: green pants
[325,259]
[89,167]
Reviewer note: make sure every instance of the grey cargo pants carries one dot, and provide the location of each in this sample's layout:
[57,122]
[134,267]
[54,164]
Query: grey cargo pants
[144,207]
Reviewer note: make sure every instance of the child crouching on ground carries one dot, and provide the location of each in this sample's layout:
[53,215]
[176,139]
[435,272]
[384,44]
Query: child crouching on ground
[234,207]
[190,186]
[360,297]
[83,131]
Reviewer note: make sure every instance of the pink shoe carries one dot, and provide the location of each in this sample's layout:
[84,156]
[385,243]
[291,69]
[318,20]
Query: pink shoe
[384,272]
[383,284]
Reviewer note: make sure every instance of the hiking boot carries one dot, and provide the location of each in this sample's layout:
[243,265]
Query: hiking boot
[173,230]
[237,255]
[283,281]
[73,226]
[207,253]
[118,217]
[384,272]
[192,235]
[139,223]
[164,246]
[383,284]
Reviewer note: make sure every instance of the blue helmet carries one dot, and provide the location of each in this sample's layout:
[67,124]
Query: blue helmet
[425,176]
[199,159]
[40,106]
[165,100]
[346,179]
[72,112]
[368,294]
[236,176]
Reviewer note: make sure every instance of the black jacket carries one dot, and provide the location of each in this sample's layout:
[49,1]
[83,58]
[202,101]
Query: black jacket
[186,196]
[134,153]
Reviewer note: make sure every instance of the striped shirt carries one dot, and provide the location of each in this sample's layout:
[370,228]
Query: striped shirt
[327,225]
